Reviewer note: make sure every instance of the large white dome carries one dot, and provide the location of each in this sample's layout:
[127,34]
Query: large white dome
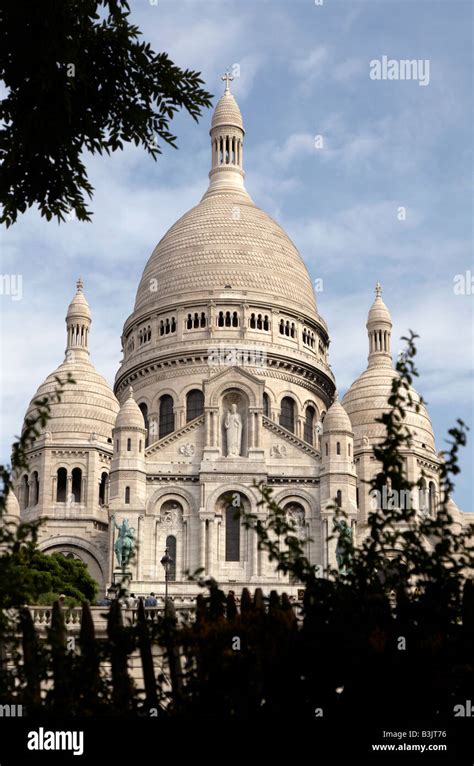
[226,240]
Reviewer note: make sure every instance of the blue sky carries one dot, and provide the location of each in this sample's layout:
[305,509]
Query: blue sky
[304,71]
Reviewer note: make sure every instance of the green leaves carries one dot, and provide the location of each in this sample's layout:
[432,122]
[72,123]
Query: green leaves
[78,79]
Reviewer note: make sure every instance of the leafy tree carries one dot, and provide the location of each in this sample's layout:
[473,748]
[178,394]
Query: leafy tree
[40,573]
[395,553]
[79,77]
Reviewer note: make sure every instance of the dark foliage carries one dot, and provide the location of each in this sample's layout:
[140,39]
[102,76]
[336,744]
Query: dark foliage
[79,78]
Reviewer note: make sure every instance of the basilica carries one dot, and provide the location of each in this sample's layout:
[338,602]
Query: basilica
[225,382]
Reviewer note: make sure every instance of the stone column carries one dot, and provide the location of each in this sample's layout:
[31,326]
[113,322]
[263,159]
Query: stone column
[210,558]
[250,437]
[207,425]
[180,414]
[202,544]
[139,547]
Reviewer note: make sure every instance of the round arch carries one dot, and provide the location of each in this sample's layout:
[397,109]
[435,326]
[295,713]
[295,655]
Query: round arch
[89,554]
[307,500]
[238,384]
[182,496]
[163,392]
[292,395]
[227,489]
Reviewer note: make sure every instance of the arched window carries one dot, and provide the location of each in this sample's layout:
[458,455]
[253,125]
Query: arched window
[76,484]
[102,487]
[308,424]
[357,497]
[252,322]
[282,327]
[232,534]
[432,498]
[266,405]
[144,410]
[327,448]
[166,416]
[338,448]
[220,319]
[34,488]
[129,445]
[127,495]
[194,404]
[266,323]
[349,450]
[287,415]
[189,322]
[61,485]
[171,548]
[25,490]
[339,498]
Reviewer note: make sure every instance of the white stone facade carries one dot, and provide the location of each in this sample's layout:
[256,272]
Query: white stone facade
[225,321]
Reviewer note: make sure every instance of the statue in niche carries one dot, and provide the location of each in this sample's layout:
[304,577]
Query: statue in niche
[233,427]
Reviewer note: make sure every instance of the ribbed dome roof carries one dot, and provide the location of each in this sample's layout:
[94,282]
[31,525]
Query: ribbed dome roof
[79,307]
[227,112]
[87,406]
[336,419]
[378,312]
[226,240]
[130,414]
[367,399]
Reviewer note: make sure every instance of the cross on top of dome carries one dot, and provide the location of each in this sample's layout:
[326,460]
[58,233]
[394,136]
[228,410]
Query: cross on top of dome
[80,285]
[227,77]
[378,290]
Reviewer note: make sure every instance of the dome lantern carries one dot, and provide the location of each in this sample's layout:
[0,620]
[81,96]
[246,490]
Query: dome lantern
[78,322]
[227,137]
[379,329]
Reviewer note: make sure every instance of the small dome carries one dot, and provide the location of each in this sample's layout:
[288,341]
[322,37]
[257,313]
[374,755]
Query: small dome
[79,307]
[367,399]
[87,406]
[378,311]
[227,112]
[130,414]
[336,419]
[12,507]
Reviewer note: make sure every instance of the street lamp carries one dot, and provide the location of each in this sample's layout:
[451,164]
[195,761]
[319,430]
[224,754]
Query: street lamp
[166,561]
